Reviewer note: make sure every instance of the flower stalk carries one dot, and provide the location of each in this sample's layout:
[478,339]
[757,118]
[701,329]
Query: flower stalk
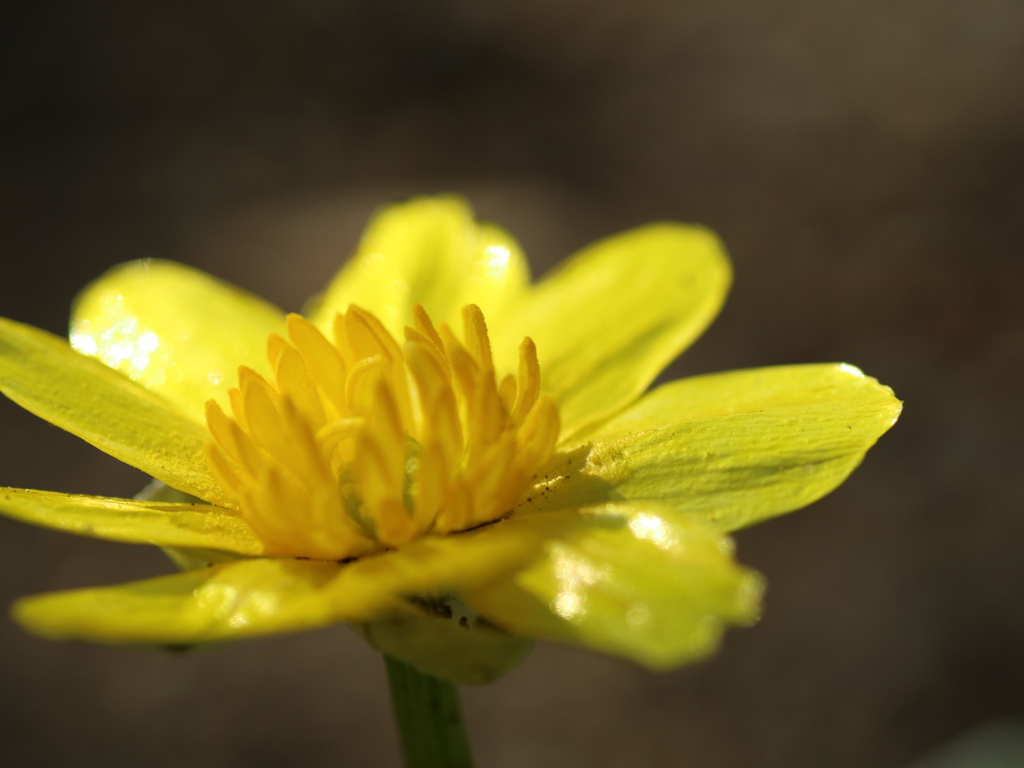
[429,718]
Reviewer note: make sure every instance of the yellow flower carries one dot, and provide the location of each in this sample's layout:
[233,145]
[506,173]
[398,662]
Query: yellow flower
[440,453]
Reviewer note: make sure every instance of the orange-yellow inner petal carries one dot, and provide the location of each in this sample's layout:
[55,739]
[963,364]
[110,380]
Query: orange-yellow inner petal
[359,443]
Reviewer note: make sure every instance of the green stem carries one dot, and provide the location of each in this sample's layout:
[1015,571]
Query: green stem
[429,719]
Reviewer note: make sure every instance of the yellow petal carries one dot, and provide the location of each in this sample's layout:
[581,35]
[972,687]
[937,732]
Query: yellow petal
[141,522]
[174,329]
[268,595]
[627,580]
[730,449]
[42,374]
[429,251]
[615,314]
[238,599]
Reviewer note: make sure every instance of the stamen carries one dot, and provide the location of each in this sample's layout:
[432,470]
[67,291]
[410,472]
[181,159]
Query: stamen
[227,433]
[422,323]
[476,337]
[507,390]
[325,363]
[237,409]
[296,385]
[361,444]
[529,382]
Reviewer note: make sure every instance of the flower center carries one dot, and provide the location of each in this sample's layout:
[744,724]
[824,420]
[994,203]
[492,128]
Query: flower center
[356,444]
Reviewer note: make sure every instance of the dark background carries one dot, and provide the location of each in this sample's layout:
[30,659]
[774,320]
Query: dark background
[863,162]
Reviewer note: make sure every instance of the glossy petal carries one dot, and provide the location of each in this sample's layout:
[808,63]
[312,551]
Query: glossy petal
[42,374]
[173,329]
[429,251]
[139,522]
[232,600]
[615,314]
[739,447]
[628,580]
[270,595]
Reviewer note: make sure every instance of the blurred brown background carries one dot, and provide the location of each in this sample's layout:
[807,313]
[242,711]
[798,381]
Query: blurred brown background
[863,161]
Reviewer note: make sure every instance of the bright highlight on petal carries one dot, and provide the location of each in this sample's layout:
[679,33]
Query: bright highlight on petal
[44,375]
[357,444]
[175,330]
[628,580]
[651,528]
[432,252]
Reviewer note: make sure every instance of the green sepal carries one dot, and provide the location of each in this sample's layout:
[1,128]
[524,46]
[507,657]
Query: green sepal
[447,640]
